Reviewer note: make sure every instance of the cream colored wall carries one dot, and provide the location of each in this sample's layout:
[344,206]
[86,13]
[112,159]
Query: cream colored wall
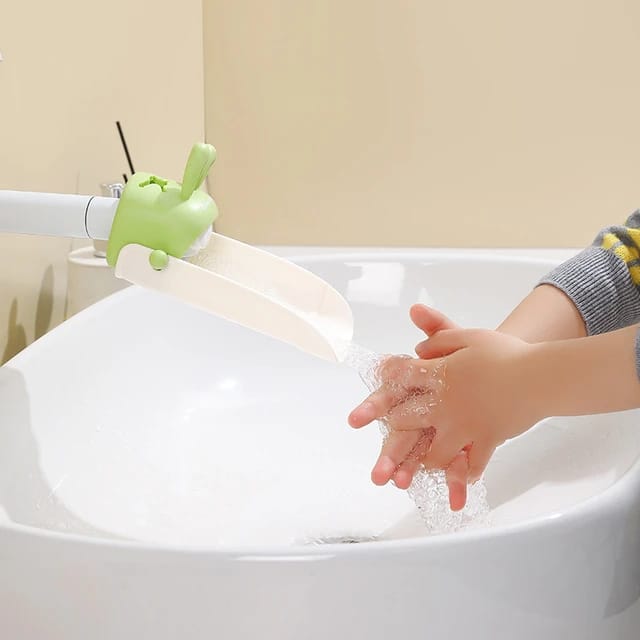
[464,123]
[71,69]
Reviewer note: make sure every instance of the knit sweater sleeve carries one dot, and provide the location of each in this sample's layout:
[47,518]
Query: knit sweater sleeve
[603,281]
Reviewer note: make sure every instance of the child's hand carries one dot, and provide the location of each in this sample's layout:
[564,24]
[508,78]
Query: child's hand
[430,321]
[466,396]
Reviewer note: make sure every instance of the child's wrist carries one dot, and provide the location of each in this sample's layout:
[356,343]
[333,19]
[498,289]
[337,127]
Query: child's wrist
[537,382]
[561,374]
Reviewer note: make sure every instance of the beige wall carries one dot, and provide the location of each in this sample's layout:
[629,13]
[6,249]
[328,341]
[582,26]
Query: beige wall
[71,68]
[402,122]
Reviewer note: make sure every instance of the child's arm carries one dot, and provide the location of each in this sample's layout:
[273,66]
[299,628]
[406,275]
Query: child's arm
[547,313]
[590,375]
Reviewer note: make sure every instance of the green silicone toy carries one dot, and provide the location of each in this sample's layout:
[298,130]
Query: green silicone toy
[163,215]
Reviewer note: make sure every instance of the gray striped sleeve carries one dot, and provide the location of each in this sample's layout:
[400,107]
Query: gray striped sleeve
[600,286]
[599,283]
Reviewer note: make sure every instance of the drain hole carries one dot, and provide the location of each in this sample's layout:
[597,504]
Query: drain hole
[350,539]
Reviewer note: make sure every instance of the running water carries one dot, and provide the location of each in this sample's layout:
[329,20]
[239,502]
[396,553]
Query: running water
[429,488]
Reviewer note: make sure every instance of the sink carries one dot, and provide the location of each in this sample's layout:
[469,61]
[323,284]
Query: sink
[165,473]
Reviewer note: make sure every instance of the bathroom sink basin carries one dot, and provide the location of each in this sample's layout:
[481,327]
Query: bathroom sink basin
[165,473]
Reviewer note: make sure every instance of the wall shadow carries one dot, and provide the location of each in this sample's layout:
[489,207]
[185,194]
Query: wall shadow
[16,332]
[44,308]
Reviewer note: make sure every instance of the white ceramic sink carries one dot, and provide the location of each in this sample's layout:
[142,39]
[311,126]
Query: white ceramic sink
[161,467]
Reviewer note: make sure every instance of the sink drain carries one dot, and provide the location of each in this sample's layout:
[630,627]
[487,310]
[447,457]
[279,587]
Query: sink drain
[346,539]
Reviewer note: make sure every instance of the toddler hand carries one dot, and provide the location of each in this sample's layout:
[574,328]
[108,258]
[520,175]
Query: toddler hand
[430,321]
[465,396]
